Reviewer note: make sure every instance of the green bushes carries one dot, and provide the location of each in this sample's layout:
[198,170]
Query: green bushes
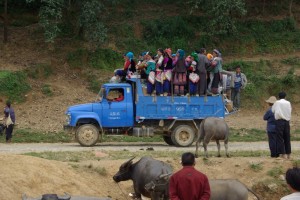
[277,36]
[266,79]
[13,85]
[46,90]
[168,28]
[106,59]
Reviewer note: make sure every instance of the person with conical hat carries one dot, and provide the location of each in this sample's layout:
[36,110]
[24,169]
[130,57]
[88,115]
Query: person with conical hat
[271,127]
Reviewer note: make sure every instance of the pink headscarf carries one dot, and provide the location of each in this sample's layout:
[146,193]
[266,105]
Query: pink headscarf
[168,51]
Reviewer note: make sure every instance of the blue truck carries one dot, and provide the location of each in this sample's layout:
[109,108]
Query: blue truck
[176,118]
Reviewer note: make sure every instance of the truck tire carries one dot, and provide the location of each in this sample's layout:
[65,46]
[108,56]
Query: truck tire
[87,135]
[183,136]
[168,140]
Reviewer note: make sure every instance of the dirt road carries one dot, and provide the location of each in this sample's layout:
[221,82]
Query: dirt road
[18,148]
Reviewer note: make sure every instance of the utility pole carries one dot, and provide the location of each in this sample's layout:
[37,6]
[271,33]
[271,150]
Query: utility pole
[5,22]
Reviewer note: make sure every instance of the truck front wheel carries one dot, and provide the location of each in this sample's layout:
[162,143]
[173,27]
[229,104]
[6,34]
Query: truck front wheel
[87,135]
[183,136]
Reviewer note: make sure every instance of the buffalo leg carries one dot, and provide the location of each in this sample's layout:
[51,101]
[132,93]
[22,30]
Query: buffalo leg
[155,195]
[198,142]
[226,148]
[219,148]
[205,149]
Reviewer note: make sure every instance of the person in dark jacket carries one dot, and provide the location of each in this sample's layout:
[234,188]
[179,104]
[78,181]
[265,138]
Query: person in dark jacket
[271,127]
[179,73]
[188,183]
[203,64]
[10,119]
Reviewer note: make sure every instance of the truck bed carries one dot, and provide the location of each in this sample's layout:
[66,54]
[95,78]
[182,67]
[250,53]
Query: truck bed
[176,107]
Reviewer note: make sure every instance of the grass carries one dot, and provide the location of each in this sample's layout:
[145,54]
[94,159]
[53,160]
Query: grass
[275,172]
[256,166]
[247,135]
[65,156]
[78,156]
[14,85]
[46,90]
[99,170]
[296,163]
[31,136]
[271,188]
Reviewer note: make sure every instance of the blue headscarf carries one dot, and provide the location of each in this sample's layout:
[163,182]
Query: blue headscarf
[181,53]
[129,55]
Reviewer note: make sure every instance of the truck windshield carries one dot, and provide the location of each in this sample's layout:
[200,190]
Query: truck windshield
[101,94]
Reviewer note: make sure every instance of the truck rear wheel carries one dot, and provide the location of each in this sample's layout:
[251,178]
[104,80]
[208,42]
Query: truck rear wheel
[87,135]
[183,136]
[168,140]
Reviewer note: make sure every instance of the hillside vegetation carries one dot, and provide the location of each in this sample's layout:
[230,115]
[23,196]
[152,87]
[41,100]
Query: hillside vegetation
[265,42]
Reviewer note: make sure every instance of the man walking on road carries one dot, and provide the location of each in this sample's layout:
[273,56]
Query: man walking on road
[10,119]
[188,183]
[282,110]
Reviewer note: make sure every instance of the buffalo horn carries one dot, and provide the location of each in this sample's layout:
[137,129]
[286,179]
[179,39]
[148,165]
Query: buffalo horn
[128,161]
[165,175]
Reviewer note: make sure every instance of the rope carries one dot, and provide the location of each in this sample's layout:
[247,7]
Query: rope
[122,191]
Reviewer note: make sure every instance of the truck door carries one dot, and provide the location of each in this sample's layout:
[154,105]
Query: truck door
[115,109]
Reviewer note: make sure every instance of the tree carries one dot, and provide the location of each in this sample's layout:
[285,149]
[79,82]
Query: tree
[5,31]
[222,14]
[82,15]
[90,22]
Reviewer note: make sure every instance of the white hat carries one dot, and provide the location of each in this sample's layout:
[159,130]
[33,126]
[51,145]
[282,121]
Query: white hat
[272,99]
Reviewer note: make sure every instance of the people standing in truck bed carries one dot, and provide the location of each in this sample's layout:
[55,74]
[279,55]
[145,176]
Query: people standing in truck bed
[168,66]
[129,66]
[179,73]
[217,68]
[149,67]
[159,72]
[193,79]
[201,70]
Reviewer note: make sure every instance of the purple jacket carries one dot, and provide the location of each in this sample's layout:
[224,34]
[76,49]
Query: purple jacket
[10,111]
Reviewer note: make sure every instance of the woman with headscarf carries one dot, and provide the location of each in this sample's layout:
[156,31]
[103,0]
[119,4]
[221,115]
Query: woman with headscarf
[129,66]
[217,68]
[179,73]
[149,67]
[168,66]
[159,72]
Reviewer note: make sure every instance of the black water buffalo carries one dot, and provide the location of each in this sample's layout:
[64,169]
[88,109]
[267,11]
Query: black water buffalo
[229,189]
[212,128]
[145,171]
[221,189]
[64,197]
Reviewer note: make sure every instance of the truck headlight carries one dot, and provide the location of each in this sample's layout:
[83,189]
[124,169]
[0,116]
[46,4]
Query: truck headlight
[68,118]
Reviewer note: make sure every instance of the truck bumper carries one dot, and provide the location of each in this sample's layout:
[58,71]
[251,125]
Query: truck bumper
[68,128]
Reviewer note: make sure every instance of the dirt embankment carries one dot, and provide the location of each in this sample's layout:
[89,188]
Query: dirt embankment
[36,176]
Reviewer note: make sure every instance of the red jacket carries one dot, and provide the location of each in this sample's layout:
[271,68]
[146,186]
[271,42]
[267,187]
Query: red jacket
[189,184]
